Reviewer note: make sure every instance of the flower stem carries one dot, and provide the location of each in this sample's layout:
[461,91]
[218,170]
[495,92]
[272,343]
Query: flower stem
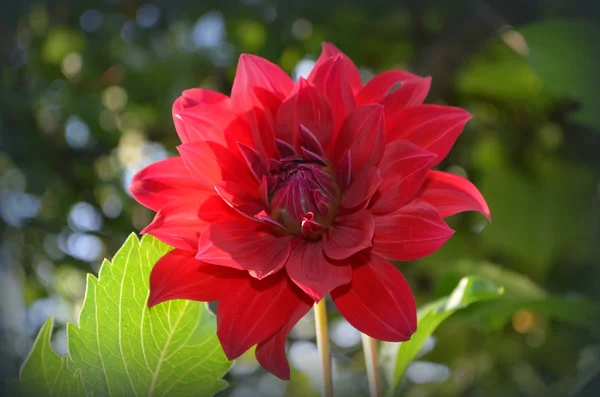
[373,373]
[323,345]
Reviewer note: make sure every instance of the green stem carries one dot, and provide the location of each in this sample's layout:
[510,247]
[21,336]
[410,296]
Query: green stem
[323,345]
[373,373]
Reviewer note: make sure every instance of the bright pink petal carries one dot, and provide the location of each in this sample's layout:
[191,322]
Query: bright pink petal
[240,200]
[198,96]
[270,353]
[361,190]
[363,133]
[304,106]
[211,163]
[431,127]
[256,310]
[350,234]
[411,232]
[258,90]
[180,222]
[178,275]
[330,79]
[378,301]
[243,244]
[350,70]
[312,272]
[404,167]
[162,182]
[451,194]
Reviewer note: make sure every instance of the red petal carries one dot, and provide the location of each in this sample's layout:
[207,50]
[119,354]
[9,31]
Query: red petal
[257,92]
[404,167]
[180,222]
[243,244]
[362,133]
[270,353]
[361,190]
[431,127]
[329,77]
[312,272]
[162,182]
[451,194]
[411,232]
[197,96]
[305,105]
[350,70]
[178,275]
[350,234]
[256,310]
[378,301]
[211,163]
[238,199]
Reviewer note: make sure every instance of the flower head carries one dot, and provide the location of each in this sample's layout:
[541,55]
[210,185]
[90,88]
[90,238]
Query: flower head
[287,192]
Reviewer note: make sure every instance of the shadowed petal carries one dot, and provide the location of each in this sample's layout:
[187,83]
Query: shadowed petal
[162,182]
[180,222]
[432,127]
[378,301]
[304,106]
[258,90]
[350,234]
[451,194]
[351,72]
[270,353]
[404,167]
[361,190]
[243,244]
[211,163]
[312,272]
[362,133]
[411,232]
[178,275]
[238,199]
[254,311]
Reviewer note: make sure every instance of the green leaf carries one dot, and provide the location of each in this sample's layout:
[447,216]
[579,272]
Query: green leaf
[124,349]
[397,356]
[45,374]
[564,53]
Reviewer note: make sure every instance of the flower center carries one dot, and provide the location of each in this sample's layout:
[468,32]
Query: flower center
[302,196]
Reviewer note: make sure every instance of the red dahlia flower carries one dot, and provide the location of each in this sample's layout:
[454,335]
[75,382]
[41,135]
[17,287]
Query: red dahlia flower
[286,192]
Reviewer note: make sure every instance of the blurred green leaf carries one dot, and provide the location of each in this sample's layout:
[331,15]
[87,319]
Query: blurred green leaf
[60,42]
[299,386]
[45,374]
[123,348]
[397,356]
[564,53]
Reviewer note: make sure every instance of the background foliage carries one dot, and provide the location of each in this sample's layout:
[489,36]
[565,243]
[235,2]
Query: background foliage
[86,92]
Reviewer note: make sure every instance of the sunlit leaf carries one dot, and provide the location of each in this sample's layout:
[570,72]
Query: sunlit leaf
[397,356]
[124,349]
[45,374]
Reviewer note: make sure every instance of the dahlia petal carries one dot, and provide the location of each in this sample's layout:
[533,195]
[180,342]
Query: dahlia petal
[256,310]
[432,127]
[451,194]
[238,199]
[180,222]
[258,90]
[161,182]
[330,79]
[243,244]
[343,173]
[404,167]
[362,189]
[411,232]
[304,106]
[378,301]
[270,353]
[363,133]
[211,163]
[196,96]
[395,89]
[255,161]
[350,70]
[312,272]
[350,234]
[178,275]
